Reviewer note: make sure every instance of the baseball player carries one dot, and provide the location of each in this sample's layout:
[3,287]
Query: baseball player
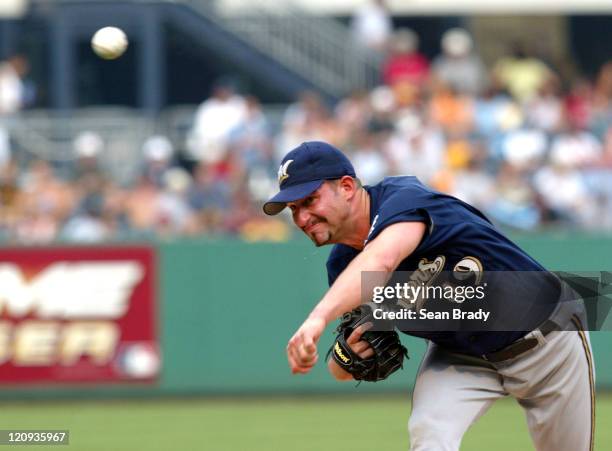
[400,224]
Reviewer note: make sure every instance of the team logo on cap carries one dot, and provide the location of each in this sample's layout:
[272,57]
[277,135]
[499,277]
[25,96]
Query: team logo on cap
[282,171]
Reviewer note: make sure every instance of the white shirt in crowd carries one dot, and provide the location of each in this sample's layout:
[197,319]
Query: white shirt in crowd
[371,25]
[11,90]
[214,121]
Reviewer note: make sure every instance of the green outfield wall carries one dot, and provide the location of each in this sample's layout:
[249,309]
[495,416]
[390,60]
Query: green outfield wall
[227,309]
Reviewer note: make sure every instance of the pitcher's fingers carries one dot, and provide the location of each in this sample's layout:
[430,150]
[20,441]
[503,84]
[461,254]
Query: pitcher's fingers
[308,361]
[298,367]
[363,349]
[357,333]
[360,346]
[309,346]
[300,358]
[369,352]
[306,351]
[293,355]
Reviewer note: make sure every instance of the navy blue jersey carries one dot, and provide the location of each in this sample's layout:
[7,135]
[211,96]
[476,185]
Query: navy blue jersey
[457,234]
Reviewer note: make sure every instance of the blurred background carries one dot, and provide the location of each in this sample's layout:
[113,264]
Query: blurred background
[137,263]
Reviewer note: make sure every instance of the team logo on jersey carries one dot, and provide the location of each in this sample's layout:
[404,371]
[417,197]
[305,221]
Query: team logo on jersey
[282,171]
[340,353]
[427,271]
[467,268]
[425,274]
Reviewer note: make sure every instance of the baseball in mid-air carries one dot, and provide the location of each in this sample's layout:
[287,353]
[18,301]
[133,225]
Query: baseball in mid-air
[109,43]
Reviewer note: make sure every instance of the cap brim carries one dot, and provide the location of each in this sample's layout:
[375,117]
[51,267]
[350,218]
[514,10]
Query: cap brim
[277,203]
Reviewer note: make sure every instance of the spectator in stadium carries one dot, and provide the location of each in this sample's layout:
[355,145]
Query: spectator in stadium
[367,156]
[383,107]
[9,196]
[474,184]
[605,162]
[41,189]
[459,66]
[486,148]
[578,103]
[214,121]
[158,155]
[545,110]
[515,204]
[603,86]
[12,87]
[115,212]
[416,148]
[174,217]
[602,102]
[44,201]
[245,221]
[35,226]
[251,140]
[577,146]
[139,205]
[524,147]
[87,148]
[563,189]
[86,224]
[354,112]
[307,119]
[495,112]
[210,197]
[521,73]
[13,97]
[6,153]
[405,65]
[371,25]
[452,111]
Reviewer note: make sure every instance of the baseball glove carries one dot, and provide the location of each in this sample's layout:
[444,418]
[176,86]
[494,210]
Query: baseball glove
[388,351]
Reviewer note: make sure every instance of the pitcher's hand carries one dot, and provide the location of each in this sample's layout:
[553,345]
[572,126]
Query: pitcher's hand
[302,348]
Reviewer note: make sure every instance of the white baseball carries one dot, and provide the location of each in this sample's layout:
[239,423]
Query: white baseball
[109,43]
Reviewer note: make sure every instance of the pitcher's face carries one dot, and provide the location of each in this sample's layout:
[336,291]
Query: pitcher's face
[321,215]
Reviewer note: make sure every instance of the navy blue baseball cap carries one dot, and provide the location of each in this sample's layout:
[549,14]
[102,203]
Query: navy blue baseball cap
[303,171]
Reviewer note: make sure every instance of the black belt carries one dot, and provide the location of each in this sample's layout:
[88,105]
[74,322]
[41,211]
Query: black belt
[522,345]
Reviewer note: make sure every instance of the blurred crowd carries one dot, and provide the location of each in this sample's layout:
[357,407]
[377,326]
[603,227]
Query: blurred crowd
[526,146]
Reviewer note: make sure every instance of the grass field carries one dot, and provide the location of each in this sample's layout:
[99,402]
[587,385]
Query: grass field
[292,424]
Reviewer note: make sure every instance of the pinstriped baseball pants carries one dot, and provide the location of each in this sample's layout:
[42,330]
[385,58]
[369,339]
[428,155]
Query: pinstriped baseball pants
[553,382]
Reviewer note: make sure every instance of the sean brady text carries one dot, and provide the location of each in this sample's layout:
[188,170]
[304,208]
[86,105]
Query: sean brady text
[456,313]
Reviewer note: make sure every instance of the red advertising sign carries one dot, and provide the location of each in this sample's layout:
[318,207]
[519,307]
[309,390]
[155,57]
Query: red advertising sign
[78,314]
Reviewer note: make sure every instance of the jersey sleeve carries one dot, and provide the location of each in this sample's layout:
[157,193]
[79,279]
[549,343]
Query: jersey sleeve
[401,206]
[338,260]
